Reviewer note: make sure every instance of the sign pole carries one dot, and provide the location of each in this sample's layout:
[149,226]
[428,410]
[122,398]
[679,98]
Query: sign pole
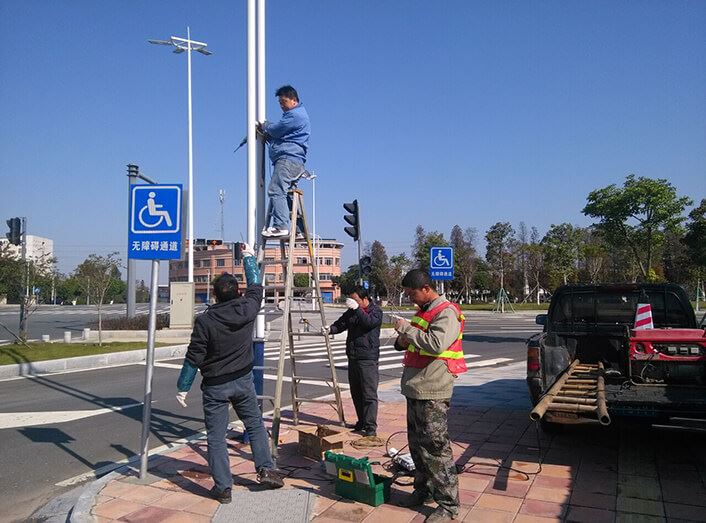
[149,371]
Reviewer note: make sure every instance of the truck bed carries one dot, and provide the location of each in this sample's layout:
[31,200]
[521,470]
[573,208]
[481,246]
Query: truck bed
[655,400]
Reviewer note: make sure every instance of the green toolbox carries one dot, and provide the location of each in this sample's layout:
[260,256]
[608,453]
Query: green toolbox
[356,480]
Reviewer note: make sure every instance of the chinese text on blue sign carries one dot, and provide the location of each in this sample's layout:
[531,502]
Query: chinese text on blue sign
[441,263]
[154,231]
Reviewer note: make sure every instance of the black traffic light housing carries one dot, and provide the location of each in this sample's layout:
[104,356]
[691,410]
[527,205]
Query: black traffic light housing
[353,219]
[15,234]
[366,265]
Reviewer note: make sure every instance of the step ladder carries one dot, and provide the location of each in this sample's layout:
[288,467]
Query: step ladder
[578,394]
[287,346]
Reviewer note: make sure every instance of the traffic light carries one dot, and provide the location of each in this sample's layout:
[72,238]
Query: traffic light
[353,219]
[366,265]
[15,234]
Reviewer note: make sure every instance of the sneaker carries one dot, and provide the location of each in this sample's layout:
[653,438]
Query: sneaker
[415,499]
[354,427]
[274,232]
[369,433]
[270,478]
[222,496]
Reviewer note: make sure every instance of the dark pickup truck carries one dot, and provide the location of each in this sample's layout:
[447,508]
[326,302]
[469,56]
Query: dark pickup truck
[590,363]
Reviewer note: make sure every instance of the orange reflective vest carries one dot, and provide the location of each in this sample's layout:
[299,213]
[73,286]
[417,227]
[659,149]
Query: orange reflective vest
[453,355]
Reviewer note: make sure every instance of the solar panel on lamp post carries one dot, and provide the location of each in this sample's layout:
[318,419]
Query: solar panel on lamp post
[180,45]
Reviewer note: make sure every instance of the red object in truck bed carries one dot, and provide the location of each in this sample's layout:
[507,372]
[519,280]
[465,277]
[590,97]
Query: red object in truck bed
[685,345]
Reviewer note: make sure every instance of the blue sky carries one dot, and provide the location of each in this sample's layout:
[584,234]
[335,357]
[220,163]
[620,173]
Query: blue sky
[432,113]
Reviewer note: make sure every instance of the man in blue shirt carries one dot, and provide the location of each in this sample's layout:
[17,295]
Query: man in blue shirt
[289,141]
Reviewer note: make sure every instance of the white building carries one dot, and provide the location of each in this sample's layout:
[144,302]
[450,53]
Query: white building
[38,248]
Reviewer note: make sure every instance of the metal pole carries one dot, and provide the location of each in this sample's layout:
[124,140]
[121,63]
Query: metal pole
[315,261]
[24,302]
[191,165]
[251,117]
[149,369]
[132,173]
[208,287]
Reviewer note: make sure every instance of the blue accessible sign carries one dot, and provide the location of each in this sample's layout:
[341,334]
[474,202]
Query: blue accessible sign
[155,228]
[441,263]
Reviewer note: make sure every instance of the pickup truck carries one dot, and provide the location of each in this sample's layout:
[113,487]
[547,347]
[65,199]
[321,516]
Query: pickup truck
[590,363]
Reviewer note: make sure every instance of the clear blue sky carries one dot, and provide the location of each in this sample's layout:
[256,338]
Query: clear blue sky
[438,113]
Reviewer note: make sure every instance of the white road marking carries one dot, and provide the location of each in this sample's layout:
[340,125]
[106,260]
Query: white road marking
[12,420]
[398,365]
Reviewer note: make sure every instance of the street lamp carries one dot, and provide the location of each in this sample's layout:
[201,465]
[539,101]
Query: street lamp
[180,45]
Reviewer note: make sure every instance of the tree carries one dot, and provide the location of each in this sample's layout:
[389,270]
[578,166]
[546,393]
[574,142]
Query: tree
[637,216]
[561,250]
[535,262]
[695,240]
[593,254]
[398,267]
[348,280]
[380,267]
[465,261]
[501,239]
[424,241]
[95,275]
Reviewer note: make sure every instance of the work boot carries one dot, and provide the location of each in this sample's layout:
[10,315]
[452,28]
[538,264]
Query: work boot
[222,496]
[440,515]
[354,427]
[415,499]
[369,432]
[270,478]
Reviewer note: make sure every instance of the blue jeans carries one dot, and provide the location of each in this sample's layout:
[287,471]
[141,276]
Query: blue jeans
[241,394]
[284,172]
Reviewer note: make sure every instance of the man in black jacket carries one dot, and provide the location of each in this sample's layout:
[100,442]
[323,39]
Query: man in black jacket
[221,347]
[362,320]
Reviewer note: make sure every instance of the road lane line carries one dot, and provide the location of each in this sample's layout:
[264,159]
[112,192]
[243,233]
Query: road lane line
[13,420]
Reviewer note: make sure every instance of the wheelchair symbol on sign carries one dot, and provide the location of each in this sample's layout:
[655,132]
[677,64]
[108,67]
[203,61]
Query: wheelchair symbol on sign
[153,211]
[440,260]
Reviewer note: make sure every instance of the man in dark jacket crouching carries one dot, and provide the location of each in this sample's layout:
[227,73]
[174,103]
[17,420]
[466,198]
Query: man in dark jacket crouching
[362,320]
[221,347]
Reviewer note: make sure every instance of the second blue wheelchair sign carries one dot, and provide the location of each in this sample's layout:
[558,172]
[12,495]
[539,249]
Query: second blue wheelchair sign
[441,263]
[155,226]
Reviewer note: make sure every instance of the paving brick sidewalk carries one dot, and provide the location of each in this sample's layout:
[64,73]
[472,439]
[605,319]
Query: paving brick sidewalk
[587,474]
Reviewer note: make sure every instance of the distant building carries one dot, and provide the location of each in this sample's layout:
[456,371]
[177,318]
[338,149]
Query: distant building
[38,248]
[213,261]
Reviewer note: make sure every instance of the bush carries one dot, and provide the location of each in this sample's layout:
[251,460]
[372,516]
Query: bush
[138,323]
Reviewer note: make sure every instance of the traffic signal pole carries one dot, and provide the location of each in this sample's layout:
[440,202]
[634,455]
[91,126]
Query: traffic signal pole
[133,173]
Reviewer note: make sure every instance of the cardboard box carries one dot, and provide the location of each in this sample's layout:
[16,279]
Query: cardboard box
[315,440]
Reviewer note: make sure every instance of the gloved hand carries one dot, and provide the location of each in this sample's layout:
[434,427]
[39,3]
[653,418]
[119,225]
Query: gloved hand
[181,398]
[399,323]
[246,249]
[325,330]
[351,304]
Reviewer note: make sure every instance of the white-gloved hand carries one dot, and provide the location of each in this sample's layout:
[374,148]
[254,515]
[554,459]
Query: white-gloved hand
[351,304]
[325,330]
[246,249]
[181,398]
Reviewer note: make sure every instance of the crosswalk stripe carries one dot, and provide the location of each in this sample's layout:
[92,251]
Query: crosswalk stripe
[343,356]
[399,362]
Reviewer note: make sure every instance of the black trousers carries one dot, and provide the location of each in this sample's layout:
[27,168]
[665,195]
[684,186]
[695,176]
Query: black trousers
[363,379]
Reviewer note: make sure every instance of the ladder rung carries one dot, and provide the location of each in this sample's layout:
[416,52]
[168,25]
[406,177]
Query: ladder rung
[314,400]
[258,367]
[294,333]
[270,398]
[283,287]
[325,380]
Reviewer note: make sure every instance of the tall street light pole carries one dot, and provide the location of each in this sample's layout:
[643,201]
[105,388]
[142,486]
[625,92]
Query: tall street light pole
[180,45]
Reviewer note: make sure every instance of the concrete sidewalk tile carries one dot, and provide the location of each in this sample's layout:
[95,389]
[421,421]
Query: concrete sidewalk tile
[526,518]
[552,482]
[468,497]
[205,507]
[117,488]
[502,503]
[593,500]
[685,492]
[558,471]
[476,484]
[347,511]
[639,487]
[547,509]
[145,494]
[178,500]
[600,485]
[516,489]
[589,515]
[389,514]
[553,494]
[687,512]
[640,506]
[116,508]
[322,503]
[477,514]
[625,517]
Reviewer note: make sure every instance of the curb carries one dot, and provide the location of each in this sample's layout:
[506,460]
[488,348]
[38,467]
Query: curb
[36,368]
